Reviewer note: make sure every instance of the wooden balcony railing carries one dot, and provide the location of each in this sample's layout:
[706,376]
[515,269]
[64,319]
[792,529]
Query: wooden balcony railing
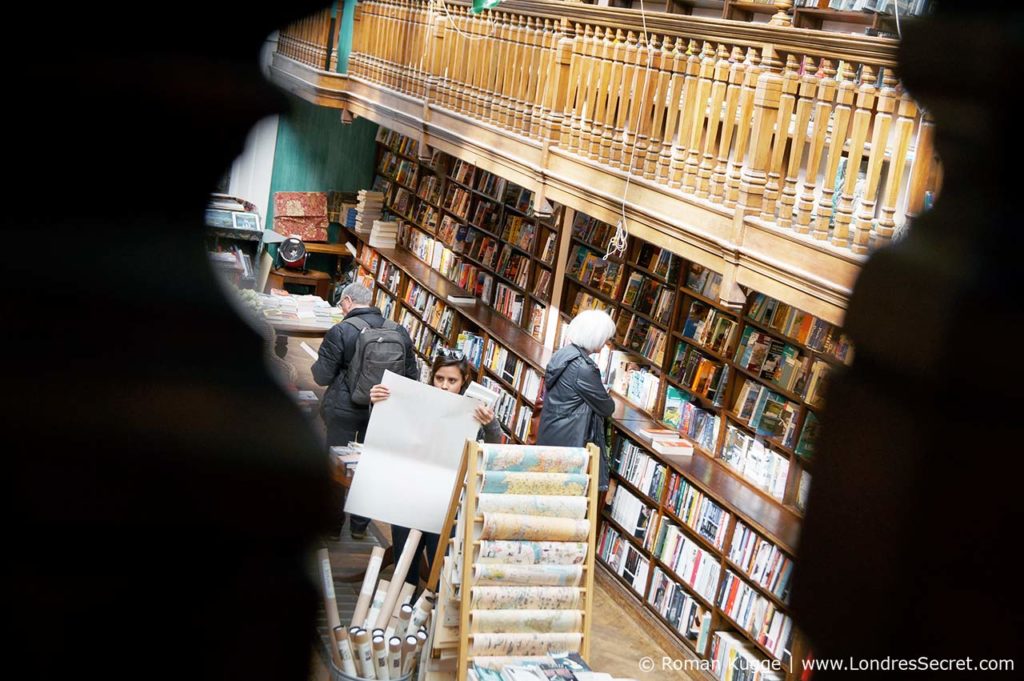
[710,126]
[309,41]
[761,127]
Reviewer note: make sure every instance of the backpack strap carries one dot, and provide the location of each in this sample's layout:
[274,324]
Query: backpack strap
[358,323]
[388,324]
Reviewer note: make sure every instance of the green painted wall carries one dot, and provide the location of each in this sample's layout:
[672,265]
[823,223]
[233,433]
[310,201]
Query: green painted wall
[316,153]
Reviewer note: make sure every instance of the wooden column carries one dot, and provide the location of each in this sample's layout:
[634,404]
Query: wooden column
[897,166]
[715,121]
[700,116]
[858,135]
[678,70]
[840,124]
[879,141]
[766,109]
[804,107]
[661,98]
[787,101]
[732,98]
[687,104]
[747,91]
[826,92]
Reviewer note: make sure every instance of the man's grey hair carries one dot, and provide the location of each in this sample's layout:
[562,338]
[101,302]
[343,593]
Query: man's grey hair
[357,293]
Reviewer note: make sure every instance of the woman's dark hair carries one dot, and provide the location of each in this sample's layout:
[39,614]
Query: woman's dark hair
[441,361]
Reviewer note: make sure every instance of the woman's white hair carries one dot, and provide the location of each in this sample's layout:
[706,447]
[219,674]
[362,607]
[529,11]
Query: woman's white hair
[590,329]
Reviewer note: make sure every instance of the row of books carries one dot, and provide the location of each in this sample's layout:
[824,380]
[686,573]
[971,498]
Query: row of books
[369,258]
[698,511]
[456,201]
[698,425]
[641,336]
[649,296]
[471,277]
[514,266]
[532,381]
[505,409]
[585,301]
[765,411]
[633,515]
[639,468]
[385,303]
[523,420]
[407,146]
[491,185]
[595,271]
[401,170]
[389,275]
[804,328]
[503,363]
[764,468]
[906,8]
[764,563]
[733,659]
[699,374]
[639,386]
[426,217]
[472,347]
[679,608]
[769,358]
[542,284]
[485,215]
[591,230]
[418,297]
[698,568]
[462,171]
[401,201]
[519,231]
[658,260]
[429,189]
[757,615]
[623,558]
[709,327]
[535,325]
[704,281]
[509,302]
[440,317]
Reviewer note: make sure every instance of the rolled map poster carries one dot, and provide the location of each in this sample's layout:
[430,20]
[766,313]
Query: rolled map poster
[348,664]
[380,658]
[364,654]
[369,582]
[404,617]
[409,654]
[419,617]
[395,656]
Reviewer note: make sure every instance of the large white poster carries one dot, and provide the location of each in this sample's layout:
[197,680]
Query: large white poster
[411,455]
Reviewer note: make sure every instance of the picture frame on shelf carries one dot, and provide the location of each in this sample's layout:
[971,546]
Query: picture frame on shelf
[218,218]
[249,221]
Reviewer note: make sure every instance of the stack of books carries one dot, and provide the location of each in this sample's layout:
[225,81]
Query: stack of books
[667,442]
[383,234]
[367,211]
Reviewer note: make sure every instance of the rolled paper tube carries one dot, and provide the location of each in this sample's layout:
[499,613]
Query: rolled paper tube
[348,664]
[548,484]
[364,655]
[409,552]
[424,597]
[494,574]
[404,616]
[376,632]
[524,644]
[380,658]
[409,653]
[533,528]
[533,552]
[420,615]
[376,604]
[526,621]
[522,504]
[422,636]
[330,601]
[395,656]
[403,597]
[526,598]
[537,459]
[369,582]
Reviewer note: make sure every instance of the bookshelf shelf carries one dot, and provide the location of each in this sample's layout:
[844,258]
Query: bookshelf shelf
[494,375]
[731,415]
[619,577]
[661,325]
[691,342]
[789,395]
[794,342]
[623,533]
[705,403]
[628,485]
[680,636]
[776,601]
[683,583]
[691,534]
[746,634]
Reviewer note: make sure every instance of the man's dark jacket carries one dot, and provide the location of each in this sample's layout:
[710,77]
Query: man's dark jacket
[336,353]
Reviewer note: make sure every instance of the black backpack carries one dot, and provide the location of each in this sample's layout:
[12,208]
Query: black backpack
[377,350]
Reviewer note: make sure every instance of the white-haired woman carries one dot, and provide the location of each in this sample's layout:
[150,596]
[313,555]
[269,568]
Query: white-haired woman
[576,403]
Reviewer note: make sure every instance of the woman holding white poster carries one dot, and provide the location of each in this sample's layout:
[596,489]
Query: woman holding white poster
[451,372]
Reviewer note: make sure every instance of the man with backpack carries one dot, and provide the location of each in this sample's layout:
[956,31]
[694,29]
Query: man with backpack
[353,358]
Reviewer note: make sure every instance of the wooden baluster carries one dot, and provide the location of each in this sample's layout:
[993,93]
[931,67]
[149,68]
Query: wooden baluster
[426,44]
[518,73]
[464,68]
[575,86]
[804,105]
[561,76]
[826,92]
[858,136]
[537,44]
[478,48]
[531,67]
[837,133]
[704,83]
[597,52]
[640,115]
[766,112]
[445,44]
[586,73]
[737,69]
[782,17]
[715,119]
[675,88]
[879,140]
[545,64]
[611,138]
[386,46]
[661,97]
[367,17]
[787,101]
[401,38]
[687,104]
[897,165]
[924,165]
[513,72]
[498,104]
[522,72]
[355,56]
[597,126]
[747,92]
